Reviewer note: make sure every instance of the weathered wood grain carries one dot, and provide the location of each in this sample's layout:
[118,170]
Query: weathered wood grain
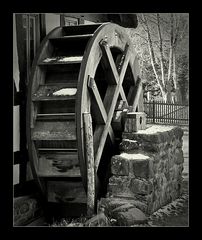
[65,191]
[90,164]
[57,130]
[58,164]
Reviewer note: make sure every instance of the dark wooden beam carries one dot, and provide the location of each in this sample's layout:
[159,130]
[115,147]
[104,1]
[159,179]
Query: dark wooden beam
[25,188]
[17,157]
[16,95]
[124,20]
[21,47]
[42,24]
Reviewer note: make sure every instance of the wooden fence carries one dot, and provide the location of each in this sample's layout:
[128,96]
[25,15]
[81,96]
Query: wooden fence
[166,113]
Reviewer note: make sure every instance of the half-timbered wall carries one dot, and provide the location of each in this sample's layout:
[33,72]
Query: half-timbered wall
[16,107]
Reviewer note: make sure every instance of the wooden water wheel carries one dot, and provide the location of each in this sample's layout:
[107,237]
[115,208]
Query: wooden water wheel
[78,69]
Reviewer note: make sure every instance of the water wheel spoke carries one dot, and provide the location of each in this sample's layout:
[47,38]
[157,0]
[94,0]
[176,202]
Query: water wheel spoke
[131,95]
[112,97]
[100,113]
[99,110]
[115,70]
[126,60]
[134,67]
[109,62]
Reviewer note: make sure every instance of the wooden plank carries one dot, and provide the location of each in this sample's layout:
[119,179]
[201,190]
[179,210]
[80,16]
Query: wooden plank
[71,37]
[110,64]
[80,29]
[66,191]
[138,89]
[53,98]
[56,144]
[46,93]
[58,164]
[130,97]
[68,75]
[88,132]
[55,116]
[99,106]
[52,107]
[47,130]
[59,63]
[111,110]
[60,68]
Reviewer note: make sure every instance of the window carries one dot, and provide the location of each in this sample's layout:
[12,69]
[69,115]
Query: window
[31,38]
[68,21]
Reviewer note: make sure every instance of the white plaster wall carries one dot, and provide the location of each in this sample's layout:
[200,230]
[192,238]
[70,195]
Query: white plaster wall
[89,22]
[16,116]
[52,21]
[16,74]
[16,126]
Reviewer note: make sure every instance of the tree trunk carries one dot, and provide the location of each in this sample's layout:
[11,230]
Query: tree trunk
[171,48]
[161,49]
[152,57]
[174,72]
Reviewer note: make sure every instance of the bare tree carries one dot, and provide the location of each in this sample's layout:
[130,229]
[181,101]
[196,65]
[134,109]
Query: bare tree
[162,34]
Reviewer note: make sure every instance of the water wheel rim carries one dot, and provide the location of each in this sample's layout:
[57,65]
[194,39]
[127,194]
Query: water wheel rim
[115,37]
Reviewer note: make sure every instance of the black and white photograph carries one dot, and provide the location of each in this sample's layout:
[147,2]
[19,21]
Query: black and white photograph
[100,120]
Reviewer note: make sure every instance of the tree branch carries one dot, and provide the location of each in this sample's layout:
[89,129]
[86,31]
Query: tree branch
[161,49]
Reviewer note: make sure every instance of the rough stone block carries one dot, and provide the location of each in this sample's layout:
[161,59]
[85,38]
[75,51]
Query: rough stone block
[142,167]
[178,143]
[179,158]
[178,132]
[151,167]
[136,164]
[177,171]
[128,145]
[110,204]
[151,147]
[155,134]
[119,186]
[143,137]
[142,187]
[122,208]
[131,217]
[97,220]
[119,166]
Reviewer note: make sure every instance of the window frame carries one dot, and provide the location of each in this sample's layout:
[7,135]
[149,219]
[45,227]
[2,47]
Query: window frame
[36,39]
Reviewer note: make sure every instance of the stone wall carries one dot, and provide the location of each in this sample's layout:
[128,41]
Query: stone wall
[149,169]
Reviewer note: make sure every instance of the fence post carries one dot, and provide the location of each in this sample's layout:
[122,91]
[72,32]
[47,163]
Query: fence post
[153,111]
